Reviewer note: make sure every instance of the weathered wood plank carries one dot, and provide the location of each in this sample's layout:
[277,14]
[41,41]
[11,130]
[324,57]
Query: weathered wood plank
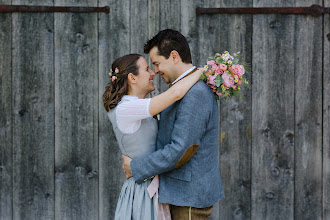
[326,115]
[76,113]
[189,27]
[273,115]
[170,17]
[33,113]
[153,29]
[114,41]
[6,145]
[235,120]
[208,32]
[308,115]
[138,26]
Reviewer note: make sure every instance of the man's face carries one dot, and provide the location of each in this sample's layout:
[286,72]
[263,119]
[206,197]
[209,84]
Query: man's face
[162,65]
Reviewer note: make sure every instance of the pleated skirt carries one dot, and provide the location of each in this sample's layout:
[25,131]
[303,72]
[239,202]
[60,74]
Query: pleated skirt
[134,202]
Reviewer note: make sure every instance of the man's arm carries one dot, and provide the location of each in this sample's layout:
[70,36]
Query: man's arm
[192,118]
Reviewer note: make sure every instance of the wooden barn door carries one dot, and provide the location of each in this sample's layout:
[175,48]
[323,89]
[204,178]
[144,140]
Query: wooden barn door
[273,161]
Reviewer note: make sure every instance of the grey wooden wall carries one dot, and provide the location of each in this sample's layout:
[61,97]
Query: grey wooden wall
[58,155]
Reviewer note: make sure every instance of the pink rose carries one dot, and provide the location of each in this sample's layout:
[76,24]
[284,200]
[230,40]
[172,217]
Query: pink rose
[223,67]
[218,70]
[239,82]
[211,62]
[208,73]
[219,94]
[237,70]
[210,80]
[228,79]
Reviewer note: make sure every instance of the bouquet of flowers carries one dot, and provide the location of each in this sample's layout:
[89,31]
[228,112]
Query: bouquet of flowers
[223,74]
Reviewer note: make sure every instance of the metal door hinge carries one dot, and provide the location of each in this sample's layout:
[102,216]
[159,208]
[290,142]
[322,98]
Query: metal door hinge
[38,8]
[314,10]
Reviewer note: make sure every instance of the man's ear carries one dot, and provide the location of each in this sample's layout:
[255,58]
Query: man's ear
[175,56]
[131,78]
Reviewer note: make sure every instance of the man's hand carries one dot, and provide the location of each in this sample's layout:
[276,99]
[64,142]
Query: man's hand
[127,166]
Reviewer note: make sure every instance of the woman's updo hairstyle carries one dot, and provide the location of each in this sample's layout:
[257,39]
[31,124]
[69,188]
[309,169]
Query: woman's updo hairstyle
[118,85]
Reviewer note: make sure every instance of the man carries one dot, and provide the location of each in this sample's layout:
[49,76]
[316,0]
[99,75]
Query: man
[190,187]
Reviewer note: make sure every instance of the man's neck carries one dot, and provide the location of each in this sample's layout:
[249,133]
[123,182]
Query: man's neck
[183,68]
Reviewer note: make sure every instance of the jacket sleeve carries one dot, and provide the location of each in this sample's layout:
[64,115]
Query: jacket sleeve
[193,114]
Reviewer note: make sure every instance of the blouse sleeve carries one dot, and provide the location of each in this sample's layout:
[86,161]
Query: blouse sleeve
[130,113]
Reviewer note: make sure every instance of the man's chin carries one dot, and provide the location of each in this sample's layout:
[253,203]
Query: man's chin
[166,80]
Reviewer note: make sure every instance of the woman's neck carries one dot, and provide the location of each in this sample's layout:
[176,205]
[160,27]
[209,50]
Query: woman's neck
[135,93]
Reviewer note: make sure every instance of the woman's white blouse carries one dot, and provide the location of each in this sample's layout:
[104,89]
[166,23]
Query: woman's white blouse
[130,111]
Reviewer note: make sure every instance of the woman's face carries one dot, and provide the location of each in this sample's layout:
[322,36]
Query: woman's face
[145,77]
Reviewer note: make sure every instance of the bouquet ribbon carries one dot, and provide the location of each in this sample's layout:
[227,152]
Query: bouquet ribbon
[163,209]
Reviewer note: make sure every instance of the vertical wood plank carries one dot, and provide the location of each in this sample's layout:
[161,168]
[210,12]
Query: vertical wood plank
[153,29]
[326,114]
[6,125]
[308,115]
[235,119]
[76,113]
[138,26]
[273,114]
[208,32]
[114,41]
[33,113]
[189,28]
[170,17]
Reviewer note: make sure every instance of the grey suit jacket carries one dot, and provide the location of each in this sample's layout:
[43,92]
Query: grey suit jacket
[192,120]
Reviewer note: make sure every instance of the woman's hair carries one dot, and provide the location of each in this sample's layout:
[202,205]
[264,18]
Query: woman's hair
[117,88]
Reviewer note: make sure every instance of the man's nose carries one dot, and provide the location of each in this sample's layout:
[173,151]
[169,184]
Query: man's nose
[156,70]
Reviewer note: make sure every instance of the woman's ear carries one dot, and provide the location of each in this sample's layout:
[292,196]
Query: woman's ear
[131,78]
[175,56]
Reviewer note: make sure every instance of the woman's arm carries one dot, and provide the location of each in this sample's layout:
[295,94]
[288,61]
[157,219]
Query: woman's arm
[174,93]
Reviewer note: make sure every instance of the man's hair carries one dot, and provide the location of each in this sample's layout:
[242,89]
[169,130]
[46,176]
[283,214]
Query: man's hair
[168,40]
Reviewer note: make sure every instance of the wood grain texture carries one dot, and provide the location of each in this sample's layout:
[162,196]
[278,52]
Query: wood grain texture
[308,115]
[153,29]
[326,114]
[208,33]
[189,27]
[139,26]
[273,115]
[170,17]
[236,119]
[114,30]
[76,113]
[33,113]
[6,125]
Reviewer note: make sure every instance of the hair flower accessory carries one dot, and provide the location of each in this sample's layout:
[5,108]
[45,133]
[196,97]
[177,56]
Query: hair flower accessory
[113,77]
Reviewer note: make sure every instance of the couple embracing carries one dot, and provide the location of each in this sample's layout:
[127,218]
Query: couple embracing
[171,164]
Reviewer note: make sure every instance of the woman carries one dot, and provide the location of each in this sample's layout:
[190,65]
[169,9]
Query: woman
[136,130]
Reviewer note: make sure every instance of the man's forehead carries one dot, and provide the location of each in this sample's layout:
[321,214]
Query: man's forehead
[154,55]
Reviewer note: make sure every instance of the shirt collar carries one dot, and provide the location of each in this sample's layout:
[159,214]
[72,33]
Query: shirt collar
[128,98]
[184,74]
